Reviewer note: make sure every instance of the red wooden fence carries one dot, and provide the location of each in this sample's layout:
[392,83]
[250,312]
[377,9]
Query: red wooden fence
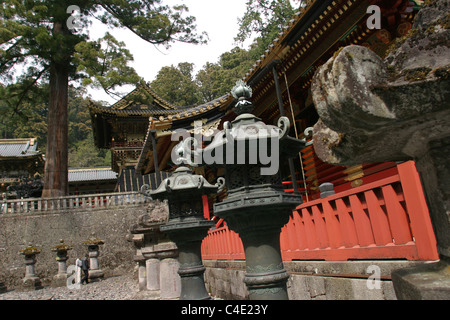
[384,219]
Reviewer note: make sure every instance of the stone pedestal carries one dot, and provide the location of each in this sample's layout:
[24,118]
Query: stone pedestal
[142,274]
[161,270]
[93,245]
[396,109]
[152,269]
[60,279]
[188,236]
[30,281]
[170,281]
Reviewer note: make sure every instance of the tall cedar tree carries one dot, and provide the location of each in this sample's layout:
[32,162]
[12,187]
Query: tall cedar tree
[46,41]
[265,19]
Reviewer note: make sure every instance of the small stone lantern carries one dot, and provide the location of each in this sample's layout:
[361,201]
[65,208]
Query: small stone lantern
[93,245]
[251,152]
[186,226]
[60,279]
[30,281]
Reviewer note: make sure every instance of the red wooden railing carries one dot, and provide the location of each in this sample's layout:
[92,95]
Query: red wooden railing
[384,219]
[222,244]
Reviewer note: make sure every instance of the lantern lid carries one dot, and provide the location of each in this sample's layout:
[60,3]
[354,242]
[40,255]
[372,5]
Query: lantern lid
[183,181]
[30,249]
[93,240]
[62,246]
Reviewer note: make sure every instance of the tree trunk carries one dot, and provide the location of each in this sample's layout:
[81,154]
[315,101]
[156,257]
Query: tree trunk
[56,164]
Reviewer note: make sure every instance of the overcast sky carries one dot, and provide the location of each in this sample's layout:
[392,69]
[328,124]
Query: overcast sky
[218,18]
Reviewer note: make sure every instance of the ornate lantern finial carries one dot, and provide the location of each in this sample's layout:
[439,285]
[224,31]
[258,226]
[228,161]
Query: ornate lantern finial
[241,91]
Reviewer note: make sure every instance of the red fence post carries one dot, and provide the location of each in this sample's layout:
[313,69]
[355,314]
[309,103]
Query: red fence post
[332,223]
[419,215]
[378,219]
[398,219]
[350,237]
[206,214]
[362,222]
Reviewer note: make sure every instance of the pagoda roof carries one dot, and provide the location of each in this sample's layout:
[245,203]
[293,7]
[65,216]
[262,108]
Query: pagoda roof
[142,101]
[91,174]
[18,148]
[145,102]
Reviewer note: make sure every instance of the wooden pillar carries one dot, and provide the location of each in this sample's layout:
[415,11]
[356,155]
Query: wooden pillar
[155,158]
[283,114]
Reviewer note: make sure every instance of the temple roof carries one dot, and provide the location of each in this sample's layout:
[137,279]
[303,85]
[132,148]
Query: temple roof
[144,101]
[22,147]
[141,111]
[91,174]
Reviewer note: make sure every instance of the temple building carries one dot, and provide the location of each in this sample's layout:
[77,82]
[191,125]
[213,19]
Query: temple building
[124,127]
[91,180]
[21,168]
[281,86]
[281,79]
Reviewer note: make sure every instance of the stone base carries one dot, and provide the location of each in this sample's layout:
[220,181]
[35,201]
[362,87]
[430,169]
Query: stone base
[147,295]
[170,281]
[60,280]
[31,283]
[310,280]
[425,282]
[96,275]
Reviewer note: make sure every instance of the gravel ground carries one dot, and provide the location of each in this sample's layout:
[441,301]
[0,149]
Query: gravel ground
[123,287]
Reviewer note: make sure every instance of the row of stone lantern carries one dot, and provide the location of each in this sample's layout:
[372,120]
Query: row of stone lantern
[32,282]
[256,207]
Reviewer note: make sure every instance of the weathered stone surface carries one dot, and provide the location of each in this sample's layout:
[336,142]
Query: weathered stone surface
[155,254]
[157,212]
[310,280]
[427,45]
[397,109]
[361,111]
[378,110]
[75,226]
[170,279]
[429,281]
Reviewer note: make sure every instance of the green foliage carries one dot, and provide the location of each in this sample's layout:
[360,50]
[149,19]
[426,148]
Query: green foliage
[84,153]
[217,79]
[27,118]
[30,120]
[152,21]
[265,19]
[176,85]
[34,34]
[103,63]
[41,42]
